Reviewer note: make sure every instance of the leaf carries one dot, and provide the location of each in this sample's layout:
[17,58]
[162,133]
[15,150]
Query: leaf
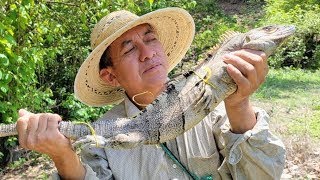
[4,88]
[0,75]
[10,31]
[13,7]
[2,26]
[9,51]
[10,39]
[7,77]
[4,42]
[25,2]
[151,2]
[19,59]
[4,60]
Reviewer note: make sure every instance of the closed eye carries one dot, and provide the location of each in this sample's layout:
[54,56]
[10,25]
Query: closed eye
[150,37]
[128,51]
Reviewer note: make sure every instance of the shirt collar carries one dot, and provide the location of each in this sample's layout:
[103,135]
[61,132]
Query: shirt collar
[131,109]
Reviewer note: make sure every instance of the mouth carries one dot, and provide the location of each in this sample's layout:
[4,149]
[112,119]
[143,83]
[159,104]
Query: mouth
[152,68]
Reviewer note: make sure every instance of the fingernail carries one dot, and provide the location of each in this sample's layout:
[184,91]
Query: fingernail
[227,56]
[22,112]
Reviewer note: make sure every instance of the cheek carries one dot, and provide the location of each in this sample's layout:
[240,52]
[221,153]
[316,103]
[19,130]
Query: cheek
[129,71]
[163,56]
[165,61]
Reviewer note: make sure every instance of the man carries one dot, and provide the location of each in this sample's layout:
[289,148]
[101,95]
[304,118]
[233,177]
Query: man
[130,62]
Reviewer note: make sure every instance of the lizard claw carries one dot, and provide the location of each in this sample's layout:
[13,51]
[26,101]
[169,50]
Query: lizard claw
[206,99]
[92,140]
[121,141]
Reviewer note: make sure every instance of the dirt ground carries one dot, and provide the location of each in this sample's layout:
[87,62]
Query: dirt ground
[35,168]
[302,151]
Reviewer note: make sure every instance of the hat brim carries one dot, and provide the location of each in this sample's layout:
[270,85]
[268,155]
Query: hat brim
[175,29]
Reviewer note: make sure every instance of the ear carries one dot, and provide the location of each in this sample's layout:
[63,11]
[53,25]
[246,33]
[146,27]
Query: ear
[107,75]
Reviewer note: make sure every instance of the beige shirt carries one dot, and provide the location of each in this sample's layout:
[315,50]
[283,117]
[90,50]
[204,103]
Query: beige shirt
[207,149]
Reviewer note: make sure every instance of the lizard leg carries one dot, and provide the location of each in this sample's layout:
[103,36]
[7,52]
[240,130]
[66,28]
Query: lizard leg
[125,141]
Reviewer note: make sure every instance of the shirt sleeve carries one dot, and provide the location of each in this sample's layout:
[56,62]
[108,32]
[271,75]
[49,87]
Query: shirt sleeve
[90,174]
[95,163]
[256,153]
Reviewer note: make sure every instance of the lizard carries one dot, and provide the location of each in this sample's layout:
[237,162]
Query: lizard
[187,99]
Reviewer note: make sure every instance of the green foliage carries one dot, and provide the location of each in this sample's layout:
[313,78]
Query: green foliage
[11,142]
[1,156]
[80,112]
[302,51]
[17,163]
[20,55]
[43,43]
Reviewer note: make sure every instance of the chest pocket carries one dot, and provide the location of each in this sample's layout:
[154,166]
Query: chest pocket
[198,150]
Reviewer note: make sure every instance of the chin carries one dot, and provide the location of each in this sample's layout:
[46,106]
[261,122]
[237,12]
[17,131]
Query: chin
[157,82]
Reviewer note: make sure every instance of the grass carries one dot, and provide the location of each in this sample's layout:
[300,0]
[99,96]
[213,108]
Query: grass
[292,98]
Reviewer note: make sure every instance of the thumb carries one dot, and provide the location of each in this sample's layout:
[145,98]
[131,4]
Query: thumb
[23,112]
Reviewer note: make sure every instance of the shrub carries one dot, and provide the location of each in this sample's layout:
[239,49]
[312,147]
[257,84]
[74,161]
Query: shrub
[302,51]
[21,55]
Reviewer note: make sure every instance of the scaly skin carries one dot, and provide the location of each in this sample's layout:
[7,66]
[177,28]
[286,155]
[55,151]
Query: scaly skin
[185,102]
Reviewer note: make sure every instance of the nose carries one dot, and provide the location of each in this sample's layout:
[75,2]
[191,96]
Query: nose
[146,52]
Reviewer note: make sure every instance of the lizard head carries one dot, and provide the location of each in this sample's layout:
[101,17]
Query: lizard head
[267,38]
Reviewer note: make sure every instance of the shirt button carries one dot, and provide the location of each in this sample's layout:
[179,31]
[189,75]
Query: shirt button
[232,160]
[174,166]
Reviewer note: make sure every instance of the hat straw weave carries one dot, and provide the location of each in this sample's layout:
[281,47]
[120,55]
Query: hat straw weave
[174,27]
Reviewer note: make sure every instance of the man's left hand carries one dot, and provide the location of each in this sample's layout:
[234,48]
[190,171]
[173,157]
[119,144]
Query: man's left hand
[248,68]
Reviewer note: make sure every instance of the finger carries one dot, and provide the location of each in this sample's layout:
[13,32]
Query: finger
[53,123]
[22,124]
[23,112]
[247,69]
[41,133]
[258,59]
[237,76]
[42,124]
[252,56]
[31,131]
[53,128]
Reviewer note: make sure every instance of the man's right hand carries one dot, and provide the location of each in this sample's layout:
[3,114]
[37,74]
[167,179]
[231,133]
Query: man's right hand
[39,132]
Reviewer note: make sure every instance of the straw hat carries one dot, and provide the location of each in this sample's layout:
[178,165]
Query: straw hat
[175,30]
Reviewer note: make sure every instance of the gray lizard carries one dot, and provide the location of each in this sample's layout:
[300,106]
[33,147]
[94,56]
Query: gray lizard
[187,99]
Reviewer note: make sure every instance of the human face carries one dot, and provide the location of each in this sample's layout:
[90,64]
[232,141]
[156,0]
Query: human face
[139,61]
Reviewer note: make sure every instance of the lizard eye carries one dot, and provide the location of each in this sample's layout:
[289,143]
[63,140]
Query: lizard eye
[247,39]
[270,29]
